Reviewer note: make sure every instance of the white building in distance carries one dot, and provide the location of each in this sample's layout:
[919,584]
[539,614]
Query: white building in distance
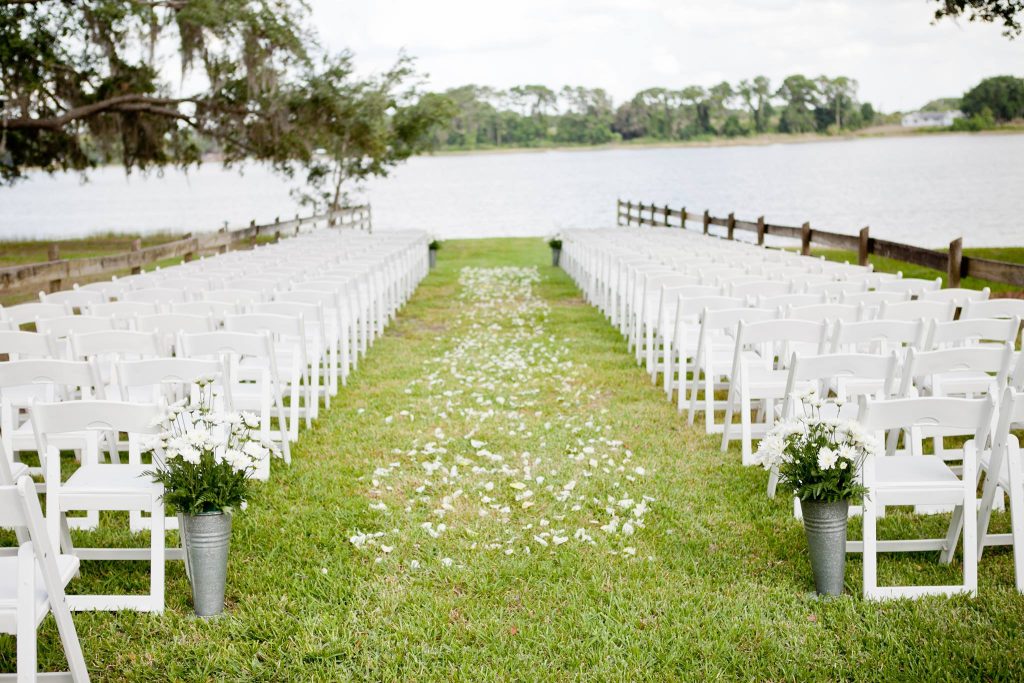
[926,119]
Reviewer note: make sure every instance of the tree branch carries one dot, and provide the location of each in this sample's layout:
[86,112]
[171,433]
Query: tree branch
[119,103]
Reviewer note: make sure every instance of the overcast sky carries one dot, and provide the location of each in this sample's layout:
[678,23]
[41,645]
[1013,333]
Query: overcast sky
[890,46]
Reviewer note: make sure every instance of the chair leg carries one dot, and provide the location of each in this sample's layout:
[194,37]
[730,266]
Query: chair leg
[26,627]
[956,524]
[709,401]
[971,540]
[727,425]
[746,435]
[157,549]
[870,552]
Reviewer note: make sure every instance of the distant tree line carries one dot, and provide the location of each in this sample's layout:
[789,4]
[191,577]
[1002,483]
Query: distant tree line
[534,115]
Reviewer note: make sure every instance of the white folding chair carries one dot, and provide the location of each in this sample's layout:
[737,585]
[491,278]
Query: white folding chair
[58,330]
[714,358]
[123,313]
[910,285]
[680,348]
[321,362]
[290,348]
[215,310]
[107,347]
[917,310]
[168,326]
[22,382]
[75,298]
[877,336]
[922,480]
[254,386]
[32,585]
[1003,468]
[30,313]
[761,357]
[163,297]
[956,295]
[19,344]
[97,486]
[847,376]
[971,332]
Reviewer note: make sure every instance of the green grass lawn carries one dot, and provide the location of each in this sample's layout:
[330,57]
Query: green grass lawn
[715,583]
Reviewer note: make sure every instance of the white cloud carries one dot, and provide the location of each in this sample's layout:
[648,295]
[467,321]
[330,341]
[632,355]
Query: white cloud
[890,46]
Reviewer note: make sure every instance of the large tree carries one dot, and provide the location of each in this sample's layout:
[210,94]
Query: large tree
[89,81]
[992,11]
[801,96]
[757,96]
[1002,95]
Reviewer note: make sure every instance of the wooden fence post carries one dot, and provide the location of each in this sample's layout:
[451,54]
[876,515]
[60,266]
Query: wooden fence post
[137,266]
[760,231]
[629,212]
[190,255]
[252,240]
[956,259]
[862,247]
[730,225]
[654,221]
[707,220]
[682,218]
[640,214]
[666,215]
[53,254]
[805,239]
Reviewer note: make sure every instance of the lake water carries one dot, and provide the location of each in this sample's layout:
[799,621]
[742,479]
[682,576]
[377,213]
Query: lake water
[924,190]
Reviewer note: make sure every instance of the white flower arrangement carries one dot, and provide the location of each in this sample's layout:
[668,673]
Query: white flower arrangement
[818,458]
[205,458]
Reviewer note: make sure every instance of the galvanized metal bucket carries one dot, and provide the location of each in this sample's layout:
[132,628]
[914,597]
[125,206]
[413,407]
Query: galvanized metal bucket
[825,526]
[556,256]
[207,539]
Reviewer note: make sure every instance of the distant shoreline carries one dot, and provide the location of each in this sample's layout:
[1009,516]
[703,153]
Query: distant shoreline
[765,139]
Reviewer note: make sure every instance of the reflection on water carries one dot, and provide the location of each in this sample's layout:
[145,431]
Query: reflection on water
[923,189]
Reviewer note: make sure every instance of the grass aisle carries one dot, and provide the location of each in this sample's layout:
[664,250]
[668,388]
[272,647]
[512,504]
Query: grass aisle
[500,494]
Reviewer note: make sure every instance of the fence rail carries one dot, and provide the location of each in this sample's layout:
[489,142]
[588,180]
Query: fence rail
[57,273]
[953,262]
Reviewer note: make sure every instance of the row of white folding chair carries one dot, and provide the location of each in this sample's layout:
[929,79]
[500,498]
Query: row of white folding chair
[664,353]
[711,358]
[650,287]
[254,348]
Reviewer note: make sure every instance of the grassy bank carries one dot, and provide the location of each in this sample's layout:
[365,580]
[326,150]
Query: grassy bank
[717,141]
[887,265]
[713,584]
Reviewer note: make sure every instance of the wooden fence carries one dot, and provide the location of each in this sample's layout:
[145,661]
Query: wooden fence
[56,273]
[953,262]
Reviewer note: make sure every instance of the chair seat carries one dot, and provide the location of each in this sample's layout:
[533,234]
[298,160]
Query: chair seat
[907,471]
[111,479]
[67,568]
[761,381]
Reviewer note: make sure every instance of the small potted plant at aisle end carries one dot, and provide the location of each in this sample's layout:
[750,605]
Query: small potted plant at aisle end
[433,247]
[556,250]
[818,460]
[205,460]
